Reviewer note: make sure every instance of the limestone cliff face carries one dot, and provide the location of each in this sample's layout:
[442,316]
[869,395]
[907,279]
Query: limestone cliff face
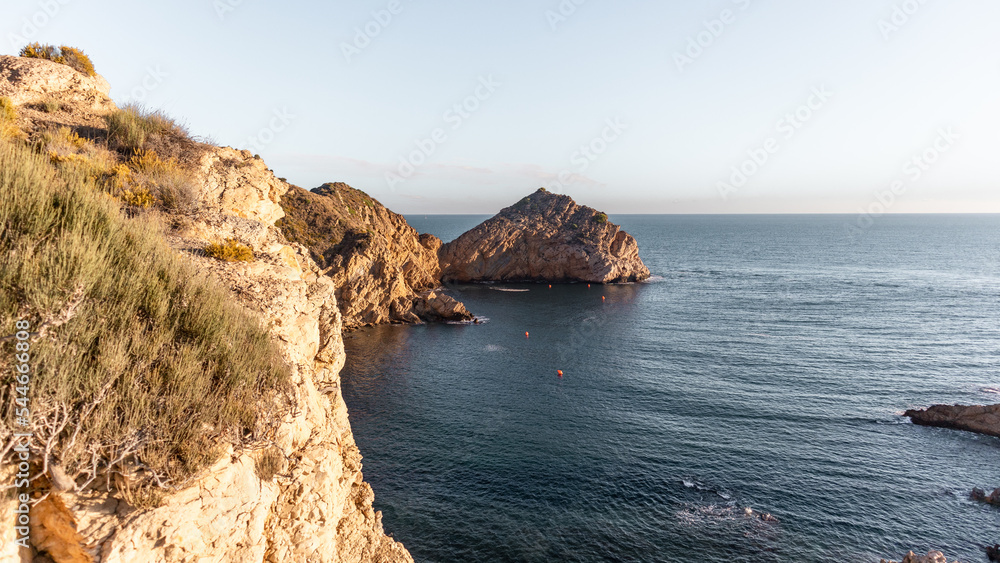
[544,237]
[317,507]
[977,418]
[27,81]
[385,272]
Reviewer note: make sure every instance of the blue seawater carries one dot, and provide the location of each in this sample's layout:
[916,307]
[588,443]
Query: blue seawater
[763,369]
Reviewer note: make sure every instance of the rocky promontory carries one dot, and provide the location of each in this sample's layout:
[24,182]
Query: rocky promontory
[982,419]
[385,272]
[544,237]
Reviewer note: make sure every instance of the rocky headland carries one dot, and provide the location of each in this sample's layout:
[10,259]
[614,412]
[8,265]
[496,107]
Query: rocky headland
[544,237]
[298,496]
[982,419]
[385,272]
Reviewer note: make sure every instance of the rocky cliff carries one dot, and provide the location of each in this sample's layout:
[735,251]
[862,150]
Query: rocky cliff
[384,271]
[977,418]
[316,506]
[544,237]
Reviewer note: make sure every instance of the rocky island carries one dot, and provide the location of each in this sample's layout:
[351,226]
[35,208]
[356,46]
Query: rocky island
[544,237]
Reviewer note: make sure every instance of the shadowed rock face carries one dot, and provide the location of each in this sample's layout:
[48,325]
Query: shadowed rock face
[385,272]
[544,237]
[980,419]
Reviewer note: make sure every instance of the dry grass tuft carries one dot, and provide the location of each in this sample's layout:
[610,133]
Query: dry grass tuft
[8,120]
[268,463]
[132,129]
[231,250]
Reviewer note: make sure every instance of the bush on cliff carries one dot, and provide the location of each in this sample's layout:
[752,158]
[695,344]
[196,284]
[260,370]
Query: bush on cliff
[69,56]
[601,218]
[230,250]
[141,367]
[133,128]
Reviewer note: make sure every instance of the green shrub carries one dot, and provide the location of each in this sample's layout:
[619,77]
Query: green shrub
[231,250]
[69,56]
[152,364]
[133,128]
[601,217]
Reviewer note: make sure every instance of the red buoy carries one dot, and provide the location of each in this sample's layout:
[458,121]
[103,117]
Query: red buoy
[559,372]
[602,298]
[526,334]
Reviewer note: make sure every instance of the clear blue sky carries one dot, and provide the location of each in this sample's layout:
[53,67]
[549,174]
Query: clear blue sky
[228,68]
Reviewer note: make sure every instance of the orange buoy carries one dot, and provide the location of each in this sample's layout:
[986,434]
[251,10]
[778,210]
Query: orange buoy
[550,286]
[588,285]
[602,298]
[559,372]
[526,334]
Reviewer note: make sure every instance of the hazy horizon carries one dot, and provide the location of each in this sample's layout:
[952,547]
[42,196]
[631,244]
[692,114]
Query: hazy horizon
[730,106]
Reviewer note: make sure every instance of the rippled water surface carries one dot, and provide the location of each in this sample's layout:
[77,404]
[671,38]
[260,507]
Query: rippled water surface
[762,370]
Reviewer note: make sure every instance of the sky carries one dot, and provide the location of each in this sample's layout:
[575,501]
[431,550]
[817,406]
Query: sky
[633,106]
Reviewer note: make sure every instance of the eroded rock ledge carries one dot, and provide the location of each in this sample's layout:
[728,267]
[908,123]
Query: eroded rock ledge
[385,272]
[982,419]
[544,237]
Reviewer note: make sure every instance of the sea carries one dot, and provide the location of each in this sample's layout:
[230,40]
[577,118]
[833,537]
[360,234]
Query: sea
[743,405]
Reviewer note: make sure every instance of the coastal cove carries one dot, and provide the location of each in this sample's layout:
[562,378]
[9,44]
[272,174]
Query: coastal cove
[765,366]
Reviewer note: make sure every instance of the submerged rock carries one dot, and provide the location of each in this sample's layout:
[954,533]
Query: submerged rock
[993,552]
[980,419]
[544,237]
[931,557]
[980,495]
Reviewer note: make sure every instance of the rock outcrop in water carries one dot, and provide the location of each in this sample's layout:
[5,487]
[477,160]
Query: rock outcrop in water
[931,557]
[544,237]
[384,270]
[980,495]
[982,419]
